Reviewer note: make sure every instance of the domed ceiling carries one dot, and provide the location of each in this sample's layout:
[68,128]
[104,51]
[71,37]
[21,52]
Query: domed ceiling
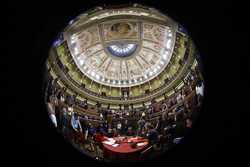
[121,52]
[117,55]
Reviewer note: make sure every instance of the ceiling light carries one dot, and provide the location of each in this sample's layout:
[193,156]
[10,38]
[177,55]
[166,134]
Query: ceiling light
[71,21]
[81,62]
[97,76]
[73,37]
[72,41]
[165,55]
[144,14]
[168,43]
[93,18]
[76,50]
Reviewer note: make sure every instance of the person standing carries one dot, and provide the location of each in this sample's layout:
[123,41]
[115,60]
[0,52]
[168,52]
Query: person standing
[86,127]
[125,126]
[152,135]
[65,122]
[109,130]
[119,127]
[76,125]
[140,123]
[52,116]
[199,89]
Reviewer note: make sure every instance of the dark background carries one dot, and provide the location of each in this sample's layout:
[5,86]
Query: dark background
[31,28]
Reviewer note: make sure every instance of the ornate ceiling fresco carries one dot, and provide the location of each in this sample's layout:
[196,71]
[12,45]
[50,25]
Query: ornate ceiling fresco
[118,55]
[122,52]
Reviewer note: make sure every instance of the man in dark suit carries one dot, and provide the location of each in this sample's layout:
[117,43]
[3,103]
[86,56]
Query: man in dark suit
[152,135]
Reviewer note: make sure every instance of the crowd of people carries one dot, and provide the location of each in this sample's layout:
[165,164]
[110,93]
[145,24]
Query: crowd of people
[163,123]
